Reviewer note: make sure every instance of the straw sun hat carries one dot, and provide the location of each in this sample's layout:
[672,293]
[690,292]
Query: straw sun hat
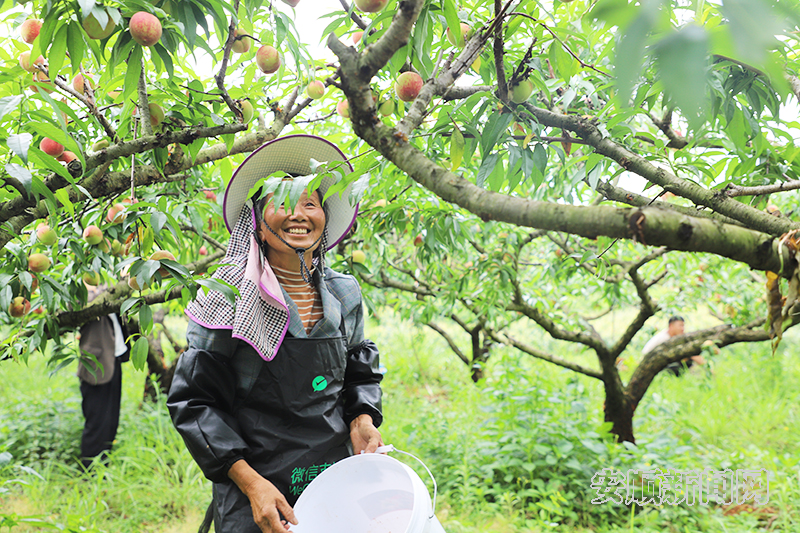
[292,154]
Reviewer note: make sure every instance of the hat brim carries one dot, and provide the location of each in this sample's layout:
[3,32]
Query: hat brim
[292,154]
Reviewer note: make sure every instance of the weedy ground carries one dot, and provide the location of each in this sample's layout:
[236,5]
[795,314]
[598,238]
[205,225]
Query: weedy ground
[514,453]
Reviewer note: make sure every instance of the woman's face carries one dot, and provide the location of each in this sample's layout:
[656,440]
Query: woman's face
[300,228]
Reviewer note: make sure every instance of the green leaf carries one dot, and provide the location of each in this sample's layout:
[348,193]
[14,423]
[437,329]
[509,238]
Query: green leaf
[20,143]
[128,304]
[21,174]
[146,318]
[166,58]
[41,160]
[486,168]
[683,62]
[190,24]
[565,65]
[229,140]
[497,177]
[8,104]
[86,9]
[451,17]
[57,51]
[615,12]
[132,74]
[456,148]
[76,46]
[229,291]
[332,26]
[495,128]
[630,54]
[358,189]
[157,221]
[540,158]
[63,196]
[753,26]
[139,353]
[40,189]
[398,60]
[280,28]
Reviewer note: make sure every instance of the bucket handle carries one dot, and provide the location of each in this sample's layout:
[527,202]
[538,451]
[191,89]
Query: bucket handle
[390,448]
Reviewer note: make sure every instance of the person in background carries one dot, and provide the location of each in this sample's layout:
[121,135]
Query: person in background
[103,350]
[675,327]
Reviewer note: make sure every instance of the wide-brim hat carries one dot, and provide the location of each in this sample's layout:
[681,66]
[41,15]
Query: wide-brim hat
[293,154]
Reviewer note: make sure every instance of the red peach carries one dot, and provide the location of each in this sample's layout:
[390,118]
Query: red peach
[466,33]
[42,78]
[92,235]
[145,28]
[19,307]
[268,59]
[29,30]
[46,235]
[38,262]
[51,147]
[93,29]
[116,213]
[240,46]
[371,6]
[315,90]
[25,62]
[408,86]
[79,82]
[67,156]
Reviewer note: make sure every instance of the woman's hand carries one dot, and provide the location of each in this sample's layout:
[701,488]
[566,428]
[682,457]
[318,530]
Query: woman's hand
[266,501]
[364,435]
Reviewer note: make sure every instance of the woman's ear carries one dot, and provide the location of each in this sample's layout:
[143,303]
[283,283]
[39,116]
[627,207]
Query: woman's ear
[262,231]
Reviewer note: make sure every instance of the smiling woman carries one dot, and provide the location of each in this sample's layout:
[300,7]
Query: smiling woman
[283,380]
[291,237]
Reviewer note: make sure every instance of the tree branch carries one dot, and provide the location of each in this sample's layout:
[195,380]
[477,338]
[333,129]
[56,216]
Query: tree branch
[450,342]
[751,217]
[647,308]
[683,346]
[761,190]
[535,352]
[219,77]
[88,102]
[18,205]
[460,92]
[111,300]
[144,104]
[498,49]
[353,15]
[618,194]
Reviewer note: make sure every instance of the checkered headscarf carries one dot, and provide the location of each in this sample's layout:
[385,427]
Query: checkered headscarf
[260,316]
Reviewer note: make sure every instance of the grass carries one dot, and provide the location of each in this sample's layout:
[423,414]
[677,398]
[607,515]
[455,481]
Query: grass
[745,415]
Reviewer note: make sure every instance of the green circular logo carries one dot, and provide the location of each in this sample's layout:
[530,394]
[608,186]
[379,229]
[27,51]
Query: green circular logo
[319,383]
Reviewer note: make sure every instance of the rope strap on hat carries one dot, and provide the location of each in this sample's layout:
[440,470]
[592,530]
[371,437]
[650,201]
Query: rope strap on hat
[304,271]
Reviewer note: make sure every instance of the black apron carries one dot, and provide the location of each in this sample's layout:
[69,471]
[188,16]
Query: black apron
[293,422]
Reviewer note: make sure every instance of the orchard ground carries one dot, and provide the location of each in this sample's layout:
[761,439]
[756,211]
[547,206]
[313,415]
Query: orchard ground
[744,415]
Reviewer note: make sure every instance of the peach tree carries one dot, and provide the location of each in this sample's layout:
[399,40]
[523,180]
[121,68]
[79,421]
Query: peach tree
[526,168]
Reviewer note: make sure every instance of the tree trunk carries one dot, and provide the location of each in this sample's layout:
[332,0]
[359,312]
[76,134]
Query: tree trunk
[619,411]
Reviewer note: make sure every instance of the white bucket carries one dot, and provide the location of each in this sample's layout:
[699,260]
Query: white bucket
[367,493]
